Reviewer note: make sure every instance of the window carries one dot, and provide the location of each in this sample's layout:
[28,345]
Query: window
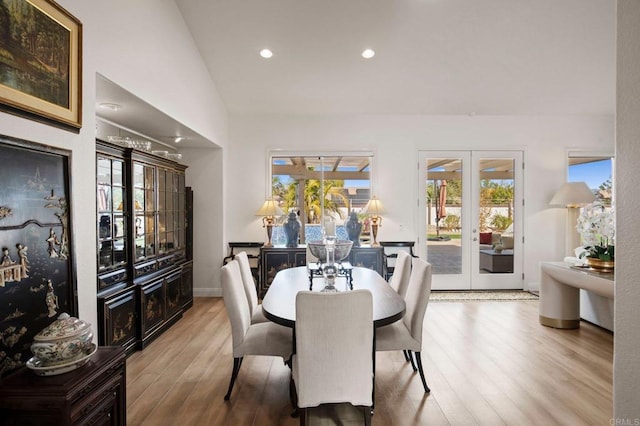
[596,171]
[320,187]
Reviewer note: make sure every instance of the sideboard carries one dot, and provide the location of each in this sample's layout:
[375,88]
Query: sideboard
[93,394]
[274,259]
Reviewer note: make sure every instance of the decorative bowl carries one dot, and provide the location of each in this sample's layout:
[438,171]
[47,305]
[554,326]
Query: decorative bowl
[318,249]
[64,340]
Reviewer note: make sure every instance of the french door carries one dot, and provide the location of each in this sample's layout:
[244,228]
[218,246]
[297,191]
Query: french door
[470,210]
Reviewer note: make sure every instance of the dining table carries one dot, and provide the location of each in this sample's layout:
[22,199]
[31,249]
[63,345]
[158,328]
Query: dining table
[279,303]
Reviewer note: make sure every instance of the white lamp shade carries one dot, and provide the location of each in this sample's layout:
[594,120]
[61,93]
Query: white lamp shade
[573,194]
[270,208]
[374,207]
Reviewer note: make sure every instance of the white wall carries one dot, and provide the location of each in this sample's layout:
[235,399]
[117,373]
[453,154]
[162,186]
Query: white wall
[626,358]
[396,141]
[145,47]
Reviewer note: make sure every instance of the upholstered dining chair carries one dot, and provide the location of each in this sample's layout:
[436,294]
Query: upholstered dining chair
[265,338]
[333,362]
[399,282]
[406,335]
[250,288]
[401,272]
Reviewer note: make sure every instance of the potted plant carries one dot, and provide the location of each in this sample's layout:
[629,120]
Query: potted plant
[596,226]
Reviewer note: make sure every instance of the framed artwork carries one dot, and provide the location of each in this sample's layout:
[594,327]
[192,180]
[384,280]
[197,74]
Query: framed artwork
[37,280]
[41,62]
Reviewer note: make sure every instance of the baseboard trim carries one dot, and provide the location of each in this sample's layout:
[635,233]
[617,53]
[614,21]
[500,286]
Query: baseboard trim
[207,292]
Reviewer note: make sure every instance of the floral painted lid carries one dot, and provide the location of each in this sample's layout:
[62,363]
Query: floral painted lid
[64,327]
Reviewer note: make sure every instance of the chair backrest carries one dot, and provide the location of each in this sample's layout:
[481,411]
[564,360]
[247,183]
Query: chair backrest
[334,348]
[235,301]
[417,297]
[247,280]
[401,273]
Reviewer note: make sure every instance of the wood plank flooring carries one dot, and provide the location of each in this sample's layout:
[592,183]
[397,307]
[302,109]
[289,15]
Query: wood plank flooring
[487,363]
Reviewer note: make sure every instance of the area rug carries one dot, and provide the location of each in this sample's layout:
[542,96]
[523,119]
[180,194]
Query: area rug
[485,295]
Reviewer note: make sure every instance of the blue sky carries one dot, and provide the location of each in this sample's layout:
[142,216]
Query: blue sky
[593,173]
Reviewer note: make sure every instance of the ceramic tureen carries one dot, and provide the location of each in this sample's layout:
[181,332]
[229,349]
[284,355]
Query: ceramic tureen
[65,340]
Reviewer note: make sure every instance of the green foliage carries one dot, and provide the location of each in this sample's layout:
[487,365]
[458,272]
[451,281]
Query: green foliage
[334,199]
[500,222]
[452,222]
[606,253]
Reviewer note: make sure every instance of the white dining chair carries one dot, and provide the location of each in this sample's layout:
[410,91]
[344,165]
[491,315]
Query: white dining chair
[406,335]
[266,338]
[401,272]
[334,355]
[250,288]
[399,282]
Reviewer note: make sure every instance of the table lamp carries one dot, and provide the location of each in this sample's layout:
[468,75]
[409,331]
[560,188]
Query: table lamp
[572,195]
[269,211]
[374,208]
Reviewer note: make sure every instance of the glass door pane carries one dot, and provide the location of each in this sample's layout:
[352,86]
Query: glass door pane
[497,236]
[445,216]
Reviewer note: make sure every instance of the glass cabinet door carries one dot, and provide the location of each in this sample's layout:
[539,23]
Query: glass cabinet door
[180,218]
[111,202]
[171,216]
[144,210]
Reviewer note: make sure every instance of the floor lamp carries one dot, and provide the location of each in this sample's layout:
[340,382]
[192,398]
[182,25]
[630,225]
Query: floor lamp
[572,195]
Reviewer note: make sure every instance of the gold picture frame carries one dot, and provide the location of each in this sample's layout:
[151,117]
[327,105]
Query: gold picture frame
[41,62]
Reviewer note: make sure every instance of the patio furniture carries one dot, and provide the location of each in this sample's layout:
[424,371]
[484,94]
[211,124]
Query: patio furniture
[496,262]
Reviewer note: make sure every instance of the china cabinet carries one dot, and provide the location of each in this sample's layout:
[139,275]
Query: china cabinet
[144,273]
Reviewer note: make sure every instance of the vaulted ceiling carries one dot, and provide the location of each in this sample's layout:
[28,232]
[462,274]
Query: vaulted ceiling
[484,57]
[432,56]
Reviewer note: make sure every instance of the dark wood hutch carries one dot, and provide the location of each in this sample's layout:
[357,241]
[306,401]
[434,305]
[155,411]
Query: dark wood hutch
[145,272]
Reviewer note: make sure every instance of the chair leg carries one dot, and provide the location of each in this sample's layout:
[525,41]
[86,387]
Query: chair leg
[424,382]
[304,417]
[293,396]
[413,365]
[237,362]
[367,415]
[406,354]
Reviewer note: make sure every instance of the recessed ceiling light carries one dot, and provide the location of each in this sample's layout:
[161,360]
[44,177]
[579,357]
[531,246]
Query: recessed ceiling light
[368,53]
[178,139]
[266,53]
[111,106]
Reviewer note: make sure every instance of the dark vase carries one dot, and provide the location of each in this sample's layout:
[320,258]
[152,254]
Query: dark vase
[354,227]
[292,229]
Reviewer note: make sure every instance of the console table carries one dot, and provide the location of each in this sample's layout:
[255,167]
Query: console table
[560,285]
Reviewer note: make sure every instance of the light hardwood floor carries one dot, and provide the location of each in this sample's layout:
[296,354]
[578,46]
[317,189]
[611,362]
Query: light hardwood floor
[487,363]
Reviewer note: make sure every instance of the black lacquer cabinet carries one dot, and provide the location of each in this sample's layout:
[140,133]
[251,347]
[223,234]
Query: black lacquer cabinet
[145,279]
